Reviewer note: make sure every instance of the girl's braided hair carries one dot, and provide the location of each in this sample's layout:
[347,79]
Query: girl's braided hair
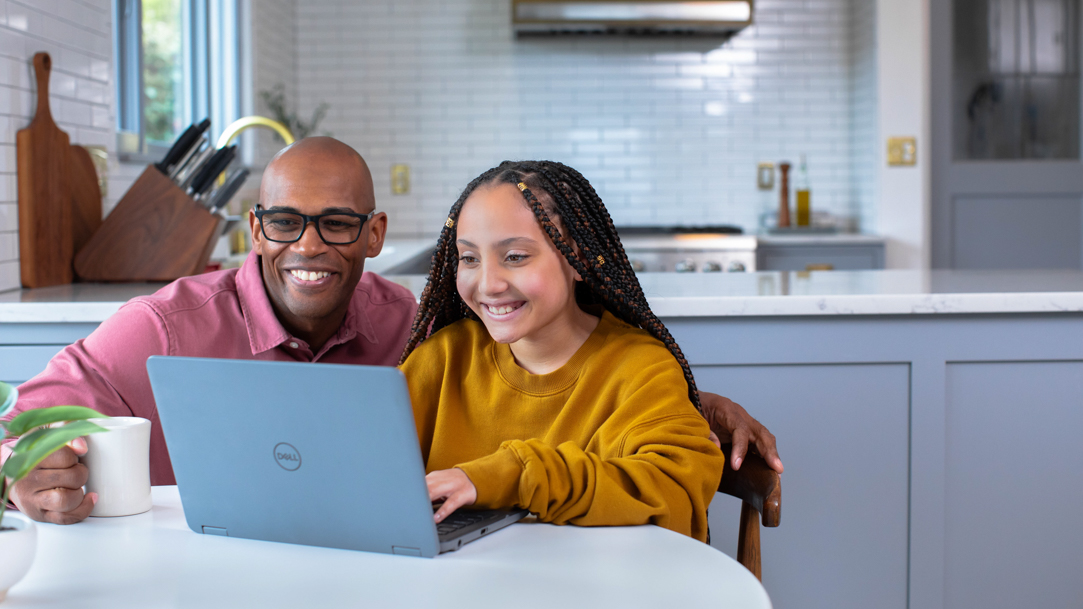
[552,190]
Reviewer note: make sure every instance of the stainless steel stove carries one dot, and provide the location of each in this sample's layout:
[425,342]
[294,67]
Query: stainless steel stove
[713,249]
[709,249]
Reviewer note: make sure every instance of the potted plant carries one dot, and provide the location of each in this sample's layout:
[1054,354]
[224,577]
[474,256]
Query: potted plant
[37,440]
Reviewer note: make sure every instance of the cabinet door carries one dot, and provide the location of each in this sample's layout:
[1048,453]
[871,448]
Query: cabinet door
[26,348]
[1006,170]
[20,364]
[1014,495]
[843,435]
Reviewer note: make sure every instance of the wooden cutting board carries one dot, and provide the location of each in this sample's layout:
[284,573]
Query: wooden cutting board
[86,197]
[44,158]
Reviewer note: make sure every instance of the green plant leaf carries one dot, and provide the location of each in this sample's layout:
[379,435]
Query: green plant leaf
[28,439]
[46,416]
[8,396]
[45,442]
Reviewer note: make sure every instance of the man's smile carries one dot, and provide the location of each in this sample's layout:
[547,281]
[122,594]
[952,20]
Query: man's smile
[310,278]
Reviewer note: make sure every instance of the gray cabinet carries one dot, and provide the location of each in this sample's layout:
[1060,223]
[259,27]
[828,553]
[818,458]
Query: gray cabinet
[931,459]
[25,348]
[840,253]
[843,537]
[1004,146]
[1014,495]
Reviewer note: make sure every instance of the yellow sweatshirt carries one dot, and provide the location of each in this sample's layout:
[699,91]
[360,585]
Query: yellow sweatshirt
[608,439]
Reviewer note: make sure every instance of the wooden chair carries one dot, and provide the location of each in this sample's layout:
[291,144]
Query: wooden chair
[760,489]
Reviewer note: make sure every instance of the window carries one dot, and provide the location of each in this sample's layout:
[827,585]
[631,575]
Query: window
[178,62]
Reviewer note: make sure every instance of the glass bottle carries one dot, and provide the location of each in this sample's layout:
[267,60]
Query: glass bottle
[804,194]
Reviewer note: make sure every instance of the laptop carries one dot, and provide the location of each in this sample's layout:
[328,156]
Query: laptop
[313,454]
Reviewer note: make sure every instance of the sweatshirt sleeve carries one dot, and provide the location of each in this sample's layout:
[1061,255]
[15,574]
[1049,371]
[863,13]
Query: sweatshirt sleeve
[424,371]
[661,468]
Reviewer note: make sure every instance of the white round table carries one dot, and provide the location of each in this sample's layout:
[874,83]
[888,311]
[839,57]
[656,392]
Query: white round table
[154,560]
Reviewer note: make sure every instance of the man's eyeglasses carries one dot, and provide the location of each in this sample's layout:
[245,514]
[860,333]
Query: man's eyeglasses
[339,228]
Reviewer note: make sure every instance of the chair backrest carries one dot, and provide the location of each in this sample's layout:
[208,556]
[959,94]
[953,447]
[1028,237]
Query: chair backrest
[760,489]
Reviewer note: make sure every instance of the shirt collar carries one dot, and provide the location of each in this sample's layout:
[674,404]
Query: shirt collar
[265,331]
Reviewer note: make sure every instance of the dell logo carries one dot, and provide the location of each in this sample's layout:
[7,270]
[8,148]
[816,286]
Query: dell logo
[287,457]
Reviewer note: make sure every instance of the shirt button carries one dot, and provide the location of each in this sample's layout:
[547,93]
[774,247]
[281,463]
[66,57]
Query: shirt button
[294,345]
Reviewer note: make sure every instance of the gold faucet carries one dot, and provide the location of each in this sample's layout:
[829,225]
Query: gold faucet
[236,127]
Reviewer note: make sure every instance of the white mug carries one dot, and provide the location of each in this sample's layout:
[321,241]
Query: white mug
[118,463]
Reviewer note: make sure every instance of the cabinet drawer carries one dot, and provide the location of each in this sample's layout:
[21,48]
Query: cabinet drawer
[838,258]
[44,333]
[21,363]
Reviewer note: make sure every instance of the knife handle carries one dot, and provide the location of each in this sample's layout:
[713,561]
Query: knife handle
[223,195]
[194,167]
[211,169]
[177,150]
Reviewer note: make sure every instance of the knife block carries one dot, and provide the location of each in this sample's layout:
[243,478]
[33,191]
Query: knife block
[155,233]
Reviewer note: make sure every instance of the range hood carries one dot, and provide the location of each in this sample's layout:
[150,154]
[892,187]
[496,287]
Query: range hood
[697,17]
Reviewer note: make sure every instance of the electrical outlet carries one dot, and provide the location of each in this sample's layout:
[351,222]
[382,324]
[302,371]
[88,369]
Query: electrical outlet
[400,179]
[902,151]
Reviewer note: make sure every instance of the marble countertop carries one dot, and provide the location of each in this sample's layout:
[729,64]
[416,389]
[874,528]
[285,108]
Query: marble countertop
[695,295]
[801,293]
[775,293]
[74,303]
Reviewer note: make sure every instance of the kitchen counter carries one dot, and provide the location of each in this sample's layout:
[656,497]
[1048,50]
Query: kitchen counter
[801,293]
[894,396]
[74,303]
[693,295]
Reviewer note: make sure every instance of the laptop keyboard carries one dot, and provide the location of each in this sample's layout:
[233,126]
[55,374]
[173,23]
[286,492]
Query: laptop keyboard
[460,519]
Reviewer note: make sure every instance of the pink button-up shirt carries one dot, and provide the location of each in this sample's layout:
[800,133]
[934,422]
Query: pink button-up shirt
[225,314]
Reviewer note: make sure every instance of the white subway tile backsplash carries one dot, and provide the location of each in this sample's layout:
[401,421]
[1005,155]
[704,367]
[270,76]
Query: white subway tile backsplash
[669,130]
[9,246]
[9,187]
[77,35]
[9,217]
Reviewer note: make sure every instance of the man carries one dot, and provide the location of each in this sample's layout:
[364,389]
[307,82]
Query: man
[300,296]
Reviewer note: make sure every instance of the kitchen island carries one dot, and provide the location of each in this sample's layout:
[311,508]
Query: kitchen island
[928,421]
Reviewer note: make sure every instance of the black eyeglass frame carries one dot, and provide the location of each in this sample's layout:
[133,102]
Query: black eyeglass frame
[314,220]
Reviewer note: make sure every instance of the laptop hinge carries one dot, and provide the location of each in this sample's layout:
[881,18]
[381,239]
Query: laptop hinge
[215,531]
[404,551]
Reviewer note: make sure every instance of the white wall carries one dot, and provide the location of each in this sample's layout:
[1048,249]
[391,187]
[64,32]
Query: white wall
[668,130]
[864,117]
[274,61]
[903,100]
[77,35]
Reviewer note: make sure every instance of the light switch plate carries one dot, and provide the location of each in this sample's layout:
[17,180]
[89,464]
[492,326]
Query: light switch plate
[902,151]
[765,176]
[400,179]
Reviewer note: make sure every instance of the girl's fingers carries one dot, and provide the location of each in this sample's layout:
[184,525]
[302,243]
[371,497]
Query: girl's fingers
[452,503]
[441,484]
[454,487]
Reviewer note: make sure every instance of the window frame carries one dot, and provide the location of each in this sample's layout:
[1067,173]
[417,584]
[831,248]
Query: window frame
[211,73]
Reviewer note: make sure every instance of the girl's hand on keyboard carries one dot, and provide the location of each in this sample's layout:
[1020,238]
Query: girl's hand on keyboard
[454,487]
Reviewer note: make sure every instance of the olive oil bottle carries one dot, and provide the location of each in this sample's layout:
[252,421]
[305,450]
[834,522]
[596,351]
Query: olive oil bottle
[804,194]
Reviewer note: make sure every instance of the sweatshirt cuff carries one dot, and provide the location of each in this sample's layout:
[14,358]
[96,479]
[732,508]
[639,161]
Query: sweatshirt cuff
[496,478]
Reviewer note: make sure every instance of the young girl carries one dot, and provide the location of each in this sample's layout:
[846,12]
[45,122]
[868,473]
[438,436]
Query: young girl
[539,376]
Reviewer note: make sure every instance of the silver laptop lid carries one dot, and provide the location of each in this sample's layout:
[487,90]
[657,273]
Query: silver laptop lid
[314,454]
